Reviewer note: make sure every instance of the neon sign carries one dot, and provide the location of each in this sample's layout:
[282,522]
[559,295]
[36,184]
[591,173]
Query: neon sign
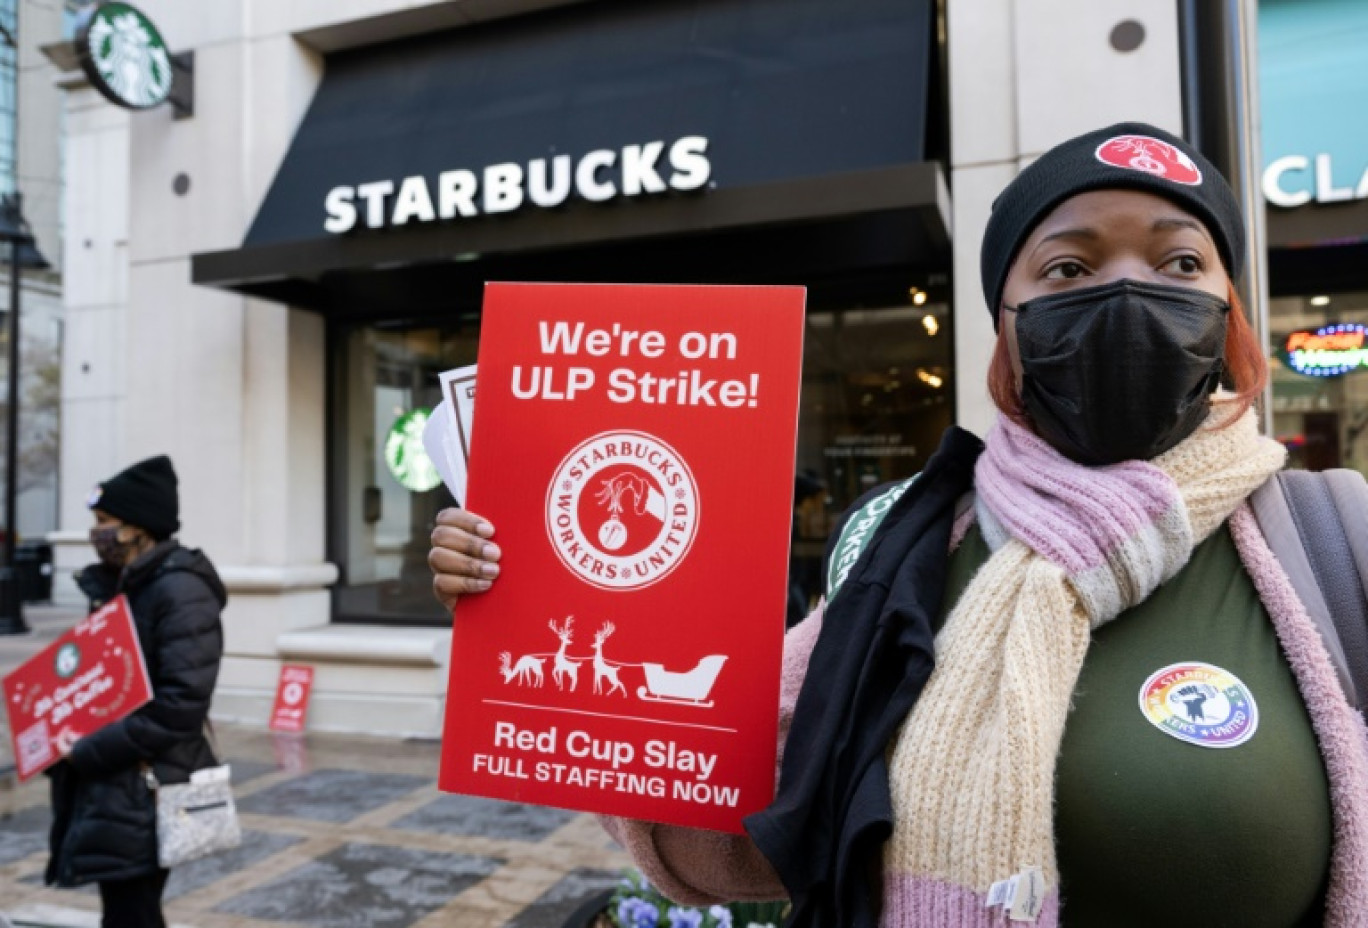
[1330,351]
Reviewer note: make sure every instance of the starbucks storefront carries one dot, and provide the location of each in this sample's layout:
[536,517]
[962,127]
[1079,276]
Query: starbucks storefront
[677,142]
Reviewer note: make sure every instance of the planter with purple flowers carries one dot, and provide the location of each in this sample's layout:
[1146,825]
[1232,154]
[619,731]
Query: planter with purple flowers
[635,903]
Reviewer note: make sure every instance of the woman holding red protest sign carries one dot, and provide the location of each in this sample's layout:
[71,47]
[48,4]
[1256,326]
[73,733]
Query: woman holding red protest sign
[1080,672]
[104,814]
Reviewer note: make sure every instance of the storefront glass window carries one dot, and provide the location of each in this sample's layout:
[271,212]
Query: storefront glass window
[71,16]
[1320,379]
[384,497]
[877,393]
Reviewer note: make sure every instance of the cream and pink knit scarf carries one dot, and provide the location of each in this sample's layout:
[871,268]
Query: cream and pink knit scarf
[972,773]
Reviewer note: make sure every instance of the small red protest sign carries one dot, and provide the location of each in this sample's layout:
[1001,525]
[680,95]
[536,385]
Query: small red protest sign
[292,698]
[92,675]
[634,447]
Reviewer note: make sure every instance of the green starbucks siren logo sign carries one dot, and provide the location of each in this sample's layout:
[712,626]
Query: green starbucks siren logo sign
[124,56]
[67,661]
[405,456]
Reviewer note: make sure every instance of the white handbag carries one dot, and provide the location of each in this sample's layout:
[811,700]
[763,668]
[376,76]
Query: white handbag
[195,819]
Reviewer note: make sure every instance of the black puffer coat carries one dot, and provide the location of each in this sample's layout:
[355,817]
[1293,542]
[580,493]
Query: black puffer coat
[104,816]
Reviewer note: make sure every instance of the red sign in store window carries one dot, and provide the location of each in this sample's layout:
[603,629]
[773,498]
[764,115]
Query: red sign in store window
[90,676]
[634,447]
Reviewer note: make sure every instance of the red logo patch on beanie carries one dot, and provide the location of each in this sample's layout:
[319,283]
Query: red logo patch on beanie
[1150,155]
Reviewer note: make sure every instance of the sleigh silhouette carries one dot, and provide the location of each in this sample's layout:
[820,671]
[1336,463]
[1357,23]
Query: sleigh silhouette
[689,688]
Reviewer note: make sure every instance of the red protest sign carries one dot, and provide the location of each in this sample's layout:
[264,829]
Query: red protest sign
[292,698]
[90,676]
[634,447]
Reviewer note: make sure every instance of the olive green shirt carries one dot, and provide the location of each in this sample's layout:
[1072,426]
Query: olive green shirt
[1152,830]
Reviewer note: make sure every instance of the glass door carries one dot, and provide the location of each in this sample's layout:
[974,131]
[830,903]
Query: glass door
[386,492]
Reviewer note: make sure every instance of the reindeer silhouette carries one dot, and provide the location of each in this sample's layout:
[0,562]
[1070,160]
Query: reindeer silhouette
[564,666]
[528,669]
[602,669]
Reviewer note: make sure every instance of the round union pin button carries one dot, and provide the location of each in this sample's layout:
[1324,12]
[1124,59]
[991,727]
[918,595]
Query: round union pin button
[1201,704]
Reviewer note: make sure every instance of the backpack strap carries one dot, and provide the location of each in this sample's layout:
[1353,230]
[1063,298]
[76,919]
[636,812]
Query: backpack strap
[1345,583]
[1308,526]
[856,531]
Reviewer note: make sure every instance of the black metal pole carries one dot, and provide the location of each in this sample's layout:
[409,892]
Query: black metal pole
[1218,51]
[1191,31]
[11,602]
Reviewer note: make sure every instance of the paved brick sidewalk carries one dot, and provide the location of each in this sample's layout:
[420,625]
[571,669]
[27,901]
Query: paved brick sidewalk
[339,832]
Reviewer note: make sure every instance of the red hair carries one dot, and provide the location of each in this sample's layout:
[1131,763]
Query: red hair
[1246,368]
[1002,381]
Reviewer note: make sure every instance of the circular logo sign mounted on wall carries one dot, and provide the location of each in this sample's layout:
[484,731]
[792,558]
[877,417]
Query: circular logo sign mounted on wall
[1201,704]
[622,510]
[405,456]
[1150,155]
[124,57]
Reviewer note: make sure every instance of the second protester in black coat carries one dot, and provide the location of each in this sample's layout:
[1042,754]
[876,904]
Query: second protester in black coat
[104,817]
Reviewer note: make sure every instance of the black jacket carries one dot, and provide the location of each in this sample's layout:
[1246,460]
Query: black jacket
[825,830]
[104,818]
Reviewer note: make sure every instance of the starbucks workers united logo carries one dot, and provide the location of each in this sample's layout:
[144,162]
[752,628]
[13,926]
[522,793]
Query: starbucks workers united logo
[124,56]
[622,510]
[1201,704]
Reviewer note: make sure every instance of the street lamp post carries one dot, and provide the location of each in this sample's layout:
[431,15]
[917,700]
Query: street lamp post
[23,253]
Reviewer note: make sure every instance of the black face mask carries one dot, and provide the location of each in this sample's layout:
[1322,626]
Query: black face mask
[109,547]
[1120,372]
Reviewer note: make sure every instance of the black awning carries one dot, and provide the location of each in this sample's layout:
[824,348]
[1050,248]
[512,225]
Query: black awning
[697,116]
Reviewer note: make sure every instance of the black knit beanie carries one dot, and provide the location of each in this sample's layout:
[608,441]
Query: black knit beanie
[1127,156]
[143,495]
